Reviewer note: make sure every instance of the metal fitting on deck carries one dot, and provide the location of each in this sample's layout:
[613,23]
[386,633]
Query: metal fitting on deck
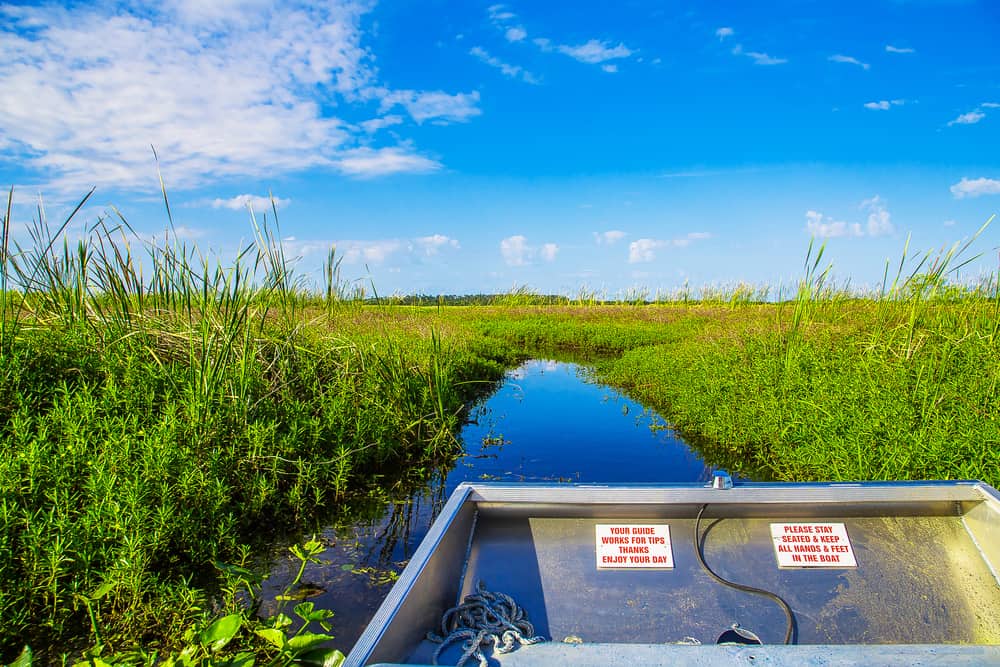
[721,480]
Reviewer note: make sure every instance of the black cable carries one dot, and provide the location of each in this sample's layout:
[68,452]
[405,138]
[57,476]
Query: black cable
[790,628]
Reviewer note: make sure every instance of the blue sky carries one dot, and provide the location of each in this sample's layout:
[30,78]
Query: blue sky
[459,147]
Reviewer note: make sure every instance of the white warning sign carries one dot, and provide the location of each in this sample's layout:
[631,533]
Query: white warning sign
[633,545]
[812,545]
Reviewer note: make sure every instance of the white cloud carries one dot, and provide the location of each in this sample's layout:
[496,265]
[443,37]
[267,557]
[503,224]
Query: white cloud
[437,105]
[594,51]
[895,49]
[375,252]
[430,245]
[610,237]
[375,124]
[350,251]
[879,222]
[821,226]
[724,32]
[884,105]
[513,71]
[758,57]
[950,223]
[975,187]
[500,13]
[257,203]
[970,118]
[974,116]
[685,241]
[220,89]
[644,250]
[515,34]
[840,58]
[764,59]
[515,250]
[372,162]
[371,251]
[179,232]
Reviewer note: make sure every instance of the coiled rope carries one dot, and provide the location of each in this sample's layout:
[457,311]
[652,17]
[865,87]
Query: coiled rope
[484,618]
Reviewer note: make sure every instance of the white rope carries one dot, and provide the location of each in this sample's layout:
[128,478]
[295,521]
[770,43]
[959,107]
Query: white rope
[484,618]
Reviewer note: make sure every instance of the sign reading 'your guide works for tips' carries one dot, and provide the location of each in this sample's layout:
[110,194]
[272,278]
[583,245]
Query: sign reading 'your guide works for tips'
[634,546]
[812,545]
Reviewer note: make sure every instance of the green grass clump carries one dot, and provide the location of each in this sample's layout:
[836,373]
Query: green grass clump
[152,426]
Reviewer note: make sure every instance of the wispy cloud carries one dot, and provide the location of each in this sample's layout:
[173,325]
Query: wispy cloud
[431,245]
[512,71]
[610,237]
[375,124]
[516,251]
[500,13]
[764,59]
[884,105]
[724,32]
[182,232]
[879,222]
[970,118]
[850,60]
[372,251]
[349,250]
[644,250]
[436,106]
[256,202]
[974,116]
[889,48]
[758,57]
[179,76]
[373,162]
[975,187]
[595,51]
[592,52]
[515,34]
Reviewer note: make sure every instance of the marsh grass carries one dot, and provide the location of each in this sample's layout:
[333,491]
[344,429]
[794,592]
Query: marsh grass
[160,409]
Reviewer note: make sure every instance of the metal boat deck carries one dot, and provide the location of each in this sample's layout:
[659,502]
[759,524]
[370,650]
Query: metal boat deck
[924,589]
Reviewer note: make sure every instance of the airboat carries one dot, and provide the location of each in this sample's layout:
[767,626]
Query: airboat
[889,573]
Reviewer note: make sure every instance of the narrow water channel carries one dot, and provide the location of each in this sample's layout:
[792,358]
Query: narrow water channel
[548,422]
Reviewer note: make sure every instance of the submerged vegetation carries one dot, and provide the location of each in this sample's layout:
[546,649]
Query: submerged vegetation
[162,412]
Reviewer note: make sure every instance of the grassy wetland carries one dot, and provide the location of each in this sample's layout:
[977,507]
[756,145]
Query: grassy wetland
[163,413]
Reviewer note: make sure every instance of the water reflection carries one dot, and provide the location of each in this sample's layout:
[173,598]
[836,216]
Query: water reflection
[548,422]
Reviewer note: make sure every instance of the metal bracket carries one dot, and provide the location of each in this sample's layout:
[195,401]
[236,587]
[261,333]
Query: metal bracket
[721,480]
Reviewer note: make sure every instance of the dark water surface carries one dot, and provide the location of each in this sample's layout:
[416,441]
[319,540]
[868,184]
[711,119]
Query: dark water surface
[548,422]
